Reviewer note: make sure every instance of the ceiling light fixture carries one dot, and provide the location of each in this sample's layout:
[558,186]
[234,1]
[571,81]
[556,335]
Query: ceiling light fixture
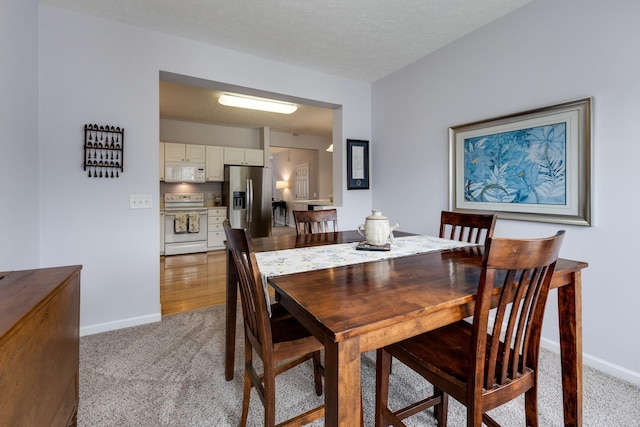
[252,103]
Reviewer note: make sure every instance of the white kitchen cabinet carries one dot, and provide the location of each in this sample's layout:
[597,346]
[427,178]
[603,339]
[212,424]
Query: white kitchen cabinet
[233,156]
[195,153]
[173,152]
[215,163]
[162,161]
[243,156]
[253,157]
[215,230]
[176,152]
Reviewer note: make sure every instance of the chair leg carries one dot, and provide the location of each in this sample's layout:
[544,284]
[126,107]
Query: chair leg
[317,372]
[383,369]
[245,397]
[441,410]
[269,400]
[531,406]
[474,416]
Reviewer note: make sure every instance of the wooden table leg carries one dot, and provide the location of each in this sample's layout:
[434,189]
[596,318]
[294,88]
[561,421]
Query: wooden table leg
[570,318]
[274,215]
[230,327]
[342,384]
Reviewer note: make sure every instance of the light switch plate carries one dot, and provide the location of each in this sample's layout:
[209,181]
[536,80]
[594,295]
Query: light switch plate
[140,201]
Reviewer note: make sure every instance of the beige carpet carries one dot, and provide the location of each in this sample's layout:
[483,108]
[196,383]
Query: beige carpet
[171,374]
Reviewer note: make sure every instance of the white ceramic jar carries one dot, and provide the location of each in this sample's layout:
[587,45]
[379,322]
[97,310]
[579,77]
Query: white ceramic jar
[376,229]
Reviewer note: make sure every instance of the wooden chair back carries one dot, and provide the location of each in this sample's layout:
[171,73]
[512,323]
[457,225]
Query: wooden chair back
[252,295]
[482,366]
[312,222]
[279,340]
[467,227]
[521,270]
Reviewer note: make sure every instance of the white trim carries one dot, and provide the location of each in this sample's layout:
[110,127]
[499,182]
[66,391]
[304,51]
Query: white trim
[597,363]
[120,324]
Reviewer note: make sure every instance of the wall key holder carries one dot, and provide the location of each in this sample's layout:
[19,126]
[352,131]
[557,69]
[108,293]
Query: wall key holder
[103,151]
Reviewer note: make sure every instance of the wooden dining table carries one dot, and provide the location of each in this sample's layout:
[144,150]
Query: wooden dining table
[358,308]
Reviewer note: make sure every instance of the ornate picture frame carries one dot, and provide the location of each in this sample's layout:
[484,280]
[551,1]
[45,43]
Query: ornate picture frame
[357,164]
[530,166]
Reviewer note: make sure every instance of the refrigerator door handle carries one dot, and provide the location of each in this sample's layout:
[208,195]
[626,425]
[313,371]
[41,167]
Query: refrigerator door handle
[249,200]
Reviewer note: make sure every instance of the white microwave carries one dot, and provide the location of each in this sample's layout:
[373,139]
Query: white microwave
[184,172]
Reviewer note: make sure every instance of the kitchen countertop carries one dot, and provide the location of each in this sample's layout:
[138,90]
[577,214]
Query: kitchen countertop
[314,202]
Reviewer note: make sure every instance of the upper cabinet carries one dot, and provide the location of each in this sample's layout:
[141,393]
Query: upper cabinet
[213,157]
[243,156]
[195,153]
[215,163]
[254,157]
[175,152]
[233,156]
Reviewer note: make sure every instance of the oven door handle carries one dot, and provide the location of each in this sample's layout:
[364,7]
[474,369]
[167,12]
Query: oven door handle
[185,211]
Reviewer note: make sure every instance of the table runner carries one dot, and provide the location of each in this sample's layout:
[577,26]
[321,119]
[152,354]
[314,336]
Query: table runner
[289,261]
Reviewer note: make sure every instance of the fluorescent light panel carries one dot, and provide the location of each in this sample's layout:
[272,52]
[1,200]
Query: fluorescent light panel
[252,103]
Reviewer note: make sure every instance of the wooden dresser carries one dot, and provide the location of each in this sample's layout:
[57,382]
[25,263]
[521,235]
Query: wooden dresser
[39,346]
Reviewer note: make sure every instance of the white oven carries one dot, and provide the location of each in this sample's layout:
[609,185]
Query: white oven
[185,223]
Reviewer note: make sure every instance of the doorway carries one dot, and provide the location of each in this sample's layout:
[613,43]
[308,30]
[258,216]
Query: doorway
[187,114]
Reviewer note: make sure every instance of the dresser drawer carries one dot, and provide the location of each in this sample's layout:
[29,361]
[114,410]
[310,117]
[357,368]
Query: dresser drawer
[67,409]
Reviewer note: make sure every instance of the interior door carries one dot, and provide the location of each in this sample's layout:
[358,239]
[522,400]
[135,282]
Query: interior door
[302,181]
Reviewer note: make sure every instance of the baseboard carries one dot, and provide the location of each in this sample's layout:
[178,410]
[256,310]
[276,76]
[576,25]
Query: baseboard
[591,361]
[119,324]
[599,364]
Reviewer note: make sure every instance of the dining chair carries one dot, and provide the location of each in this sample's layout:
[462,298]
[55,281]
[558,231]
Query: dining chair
[320,221]
[481,365]
[280,341]
[467,227]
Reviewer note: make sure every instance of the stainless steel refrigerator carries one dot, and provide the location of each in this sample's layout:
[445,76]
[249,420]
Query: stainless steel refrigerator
[247,193]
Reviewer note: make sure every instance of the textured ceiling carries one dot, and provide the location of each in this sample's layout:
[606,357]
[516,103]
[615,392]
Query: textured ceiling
[363,40]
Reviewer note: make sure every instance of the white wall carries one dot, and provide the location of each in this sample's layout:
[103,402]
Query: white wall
[208,134]
[542,54]
[19,161]
[99,71]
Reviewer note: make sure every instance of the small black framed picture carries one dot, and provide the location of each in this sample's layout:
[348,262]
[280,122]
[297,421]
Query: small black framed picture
[357,164]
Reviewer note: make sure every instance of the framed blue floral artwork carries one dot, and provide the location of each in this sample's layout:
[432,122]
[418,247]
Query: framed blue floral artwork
[533,166]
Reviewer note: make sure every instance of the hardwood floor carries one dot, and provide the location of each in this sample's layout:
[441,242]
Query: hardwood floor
[192,281]
[189,282]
